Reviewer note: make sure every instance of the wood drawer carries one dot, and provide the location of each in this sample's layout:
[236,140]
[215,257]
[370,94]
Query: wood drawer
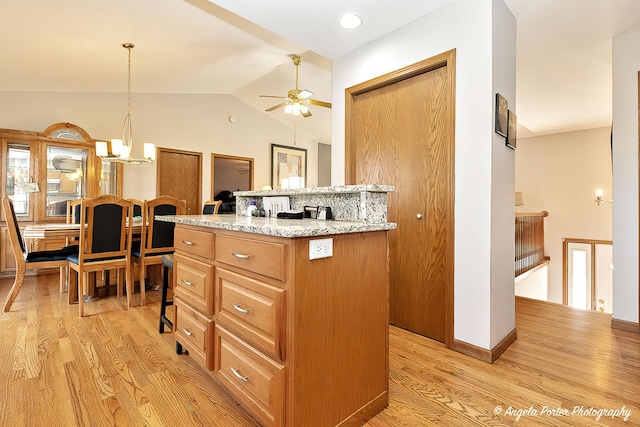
[266,258]
[252,378]
[194,282]
[193,241]
[251,309]
[194,331]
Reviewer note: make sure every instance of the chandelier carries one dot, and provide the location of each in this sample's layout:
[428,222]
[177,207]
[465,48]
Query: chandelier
[121,148]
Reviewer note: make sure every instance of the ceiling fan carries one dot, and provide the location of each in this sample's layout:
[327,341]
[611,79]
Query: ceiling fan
[297,100]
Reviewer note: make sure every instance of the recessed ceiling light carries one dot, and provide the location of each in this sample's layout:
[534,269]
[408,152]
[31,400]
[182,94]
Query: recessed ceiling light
[350,21]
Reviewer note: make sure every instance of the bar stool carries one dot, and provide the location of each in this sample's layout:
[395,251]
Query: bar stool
[167,262]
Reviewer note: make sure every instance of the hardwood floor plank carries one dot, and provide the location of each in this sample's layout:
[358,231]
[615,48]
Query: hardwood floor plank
[114,368]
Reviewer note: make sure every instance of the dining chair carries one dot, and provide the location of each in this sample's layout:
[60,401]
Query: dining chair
[106,243]
[73,211]
[157,240]
[211,208]
[29,260]
[137,207]
[72,217]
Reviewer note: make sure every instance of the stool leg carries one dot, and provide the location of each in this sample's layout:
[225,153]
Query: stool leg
[163,303]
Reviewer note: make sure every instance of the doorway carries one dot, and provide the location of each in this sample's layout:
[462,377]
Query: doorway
[324,165]
[400,132]
[229,174]
[179,174]
[587,274]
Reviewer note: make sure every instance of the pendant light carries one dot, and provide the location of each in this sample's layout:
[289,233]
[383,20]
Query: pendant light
[121,148]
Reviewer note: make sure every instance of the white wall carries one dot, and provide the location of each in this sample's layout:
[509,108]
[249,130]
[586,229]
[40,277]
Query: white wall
[190,122]
[560,174]
[503,319]
[534,285]
[465,25]
[626,63]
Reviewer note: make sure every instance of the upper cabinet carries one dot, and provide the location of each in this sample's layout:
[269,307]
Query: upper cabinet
[41,171]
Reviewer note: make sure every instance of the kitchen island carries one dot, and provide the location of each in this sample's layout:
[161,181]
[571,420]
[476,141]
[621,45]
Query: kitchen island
[296,341]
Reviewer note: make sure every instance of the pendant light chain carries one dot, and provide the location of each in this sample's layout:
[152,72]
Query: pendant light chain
[129,81]
[127,128]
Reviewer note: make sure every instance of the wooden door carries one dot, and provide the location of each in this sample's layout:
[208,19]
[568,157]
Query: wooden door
[401,133]
[179,174]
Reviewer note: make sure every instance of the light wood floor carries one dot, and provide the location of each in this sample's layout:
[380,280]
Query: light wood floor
[114,368]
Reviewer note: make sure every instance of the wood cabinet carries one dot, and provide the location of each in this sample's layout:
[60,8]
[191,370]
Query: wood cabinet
[40,171]
[296,342]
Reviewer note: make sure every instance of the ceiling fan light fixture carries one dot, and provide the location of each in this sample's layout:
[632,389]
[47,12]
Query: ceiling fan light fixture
[350,21]
[297,100]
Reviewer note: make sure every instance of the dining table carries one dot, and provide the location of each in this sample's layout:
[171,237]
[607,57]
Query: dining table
[59,230]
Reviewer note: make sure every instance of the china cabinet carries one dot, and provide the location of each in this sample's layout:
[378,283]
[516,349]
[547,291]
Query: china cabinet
[41,171]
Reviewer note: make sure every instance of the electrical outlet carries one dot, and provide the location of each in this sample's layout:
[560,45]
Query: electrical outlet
[320,248]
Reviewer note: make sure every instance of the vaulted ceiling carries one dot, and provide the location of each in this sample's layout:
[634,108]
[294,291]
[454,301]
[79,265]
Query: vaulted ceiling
[199,47]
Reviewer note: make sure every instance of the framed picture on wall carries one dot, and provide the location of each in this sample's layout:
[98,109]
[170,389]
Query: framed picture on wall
[288,167]
[512,130]
[502,108]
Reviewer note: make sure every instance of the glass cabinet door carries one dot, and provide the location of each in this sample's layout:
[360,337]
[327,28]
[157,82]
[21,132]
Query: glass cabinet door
[66,178]
[18,179]
[109,178]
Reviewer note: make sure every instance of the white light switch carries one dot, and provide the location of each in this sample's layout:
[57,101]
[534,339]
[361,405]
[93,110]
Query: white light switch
[320,248]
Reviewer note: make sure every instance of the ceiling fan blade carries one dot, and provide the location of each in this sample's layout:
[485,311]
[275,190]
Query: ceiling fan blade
[307,114]
[304,94]
[272,96]
[319,103]
[277,106]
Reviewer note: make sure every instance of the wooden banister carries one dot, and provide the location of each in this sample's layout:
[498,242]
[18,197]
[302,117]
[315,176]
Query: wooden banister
[543,213]
[529,245]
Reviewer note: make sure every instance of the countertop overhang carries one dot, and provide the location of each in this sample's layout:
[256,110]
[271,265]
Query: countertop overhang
[276,226]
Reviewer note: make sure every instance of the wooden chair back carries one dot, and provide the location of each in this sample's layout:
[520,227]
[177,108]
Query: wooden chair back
[211,207]
[137,207]
[73,211]
[15,237]
[159,236]
[107,235]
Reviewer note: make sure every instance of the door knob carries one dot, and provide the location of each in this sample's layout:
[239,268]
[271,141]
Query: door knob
[419,216]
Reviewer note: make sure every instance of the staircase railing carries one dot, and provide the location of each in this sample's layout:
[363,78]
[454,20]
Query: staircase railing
[529,241]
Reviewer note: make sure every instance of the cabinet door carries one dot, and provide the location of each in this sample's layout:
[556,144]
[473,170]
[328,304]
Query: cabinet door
[7,260]
[19,182]
[66,177]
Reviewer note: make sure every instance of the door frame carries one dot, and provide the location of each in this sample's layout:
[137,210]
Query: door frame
[445,59]
[565,266]
[215,156]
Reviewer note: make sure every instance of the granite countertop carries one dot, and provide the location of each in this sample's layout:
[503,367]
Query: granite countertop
[336,189]
[276,226]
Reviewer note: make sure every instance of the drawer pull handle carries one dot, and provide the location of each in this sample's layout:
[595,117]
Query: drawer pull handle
[186,282]
[240,309]
[242,256]
[240,377]
[186,331]
[186,242]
